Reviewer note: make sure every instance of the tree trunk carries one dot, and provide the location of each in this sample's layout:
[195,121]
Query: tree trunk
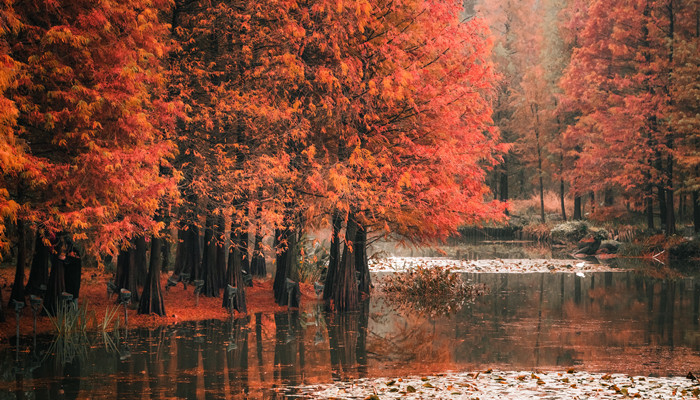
[127,272]
[334,257]
[192,252]
[209,275]
[650,210]
[503,186]
[696,211]
[345,293]
[561,198]
[245,256]
[57,283]
[73,268]
[152,297]
[361,265]
[577,208]
[39,273]
[670,211]
[166,242]
[663,212]
[608,199]
[221,250]
[17,293]
[257,264]
[2,308]
[180,252]
[286,245]
[234,273]
[141,260]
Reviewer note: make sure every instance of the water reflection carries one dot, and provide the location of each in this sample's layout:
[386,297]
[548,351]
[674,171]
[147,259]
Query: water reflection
[615,322]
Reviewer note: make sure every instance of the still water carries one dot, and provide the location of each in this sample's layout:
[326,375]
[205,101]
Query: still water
[604,322]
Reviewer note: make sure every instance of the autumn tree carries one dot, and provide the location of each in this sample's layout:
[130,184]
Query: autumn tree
[618,82]
[91,121]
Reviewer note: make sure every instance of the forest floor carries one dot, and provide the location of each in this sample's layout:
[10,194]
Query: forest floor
[179,304]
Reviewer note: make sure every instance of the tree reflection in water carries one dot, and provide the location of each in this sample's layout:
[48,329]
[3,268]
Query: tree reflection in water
[606,322]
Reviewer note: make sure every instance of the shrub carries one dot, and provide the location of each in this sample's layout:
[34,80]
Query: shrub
[539,232]
[569,232]
[312,259]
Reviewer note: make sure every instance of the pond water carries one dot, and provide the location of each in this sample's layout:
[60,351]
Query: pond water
[602,322]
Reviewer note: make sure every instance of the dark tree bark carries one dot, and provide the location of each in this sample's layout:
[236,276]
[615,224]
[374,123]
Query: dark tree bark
[696,211]
[663,212]
[17,293]
[2,308]
[57,282]
[73,267]
[503,185]
[152,296]
[141,260]
[286,243]
[577,208]
[166,241]
[234,274]
[561,198]
[180,252]
[127,273]
[39,273]
[608,198]
[209,275]
[257,263]
[191,252]
[345,292]
[670,210]
[245,256]
[361,264]
[334,256]
[221,251]
[650,211]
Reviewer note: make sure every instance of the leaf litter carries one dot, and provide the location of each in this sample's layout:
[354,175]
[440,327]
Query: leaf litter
[490,384]
[403,264]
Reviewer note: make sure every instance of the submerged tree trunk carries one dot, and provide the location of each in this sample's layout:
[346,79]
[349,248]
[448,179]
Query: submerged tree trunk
[334,257]
[152,297]
[345,291]
[39,273]
[17,293]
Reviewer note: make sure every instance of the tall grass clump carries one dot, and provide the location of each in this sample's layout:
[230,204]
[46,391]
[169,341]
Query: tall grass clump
[431,291]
